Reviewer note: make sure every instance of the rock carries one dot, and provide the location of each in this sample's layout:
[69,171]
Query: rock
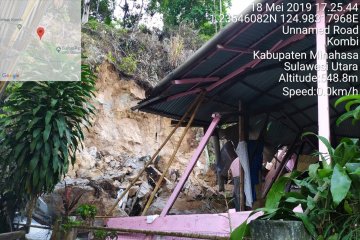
[174,174]
[107,186]
[93,152]
[104,153]
[145,190]
[117,184]
[86,161]
[100,165]
[145,158]
[133,190]
[129,203]
[194,192]
[170,186]
[72,171]
[85,173]
[72,182]
[108,159]
[116,175]
[113,164]
[135,163]
[104,200]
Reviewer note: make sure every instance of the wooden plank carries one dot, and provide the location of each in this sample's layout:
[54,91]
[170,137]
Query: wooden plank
[242,137]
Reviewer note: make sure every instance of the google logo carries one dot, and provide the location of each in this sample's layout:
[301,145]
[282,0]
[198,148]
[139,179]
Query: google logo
[10,76]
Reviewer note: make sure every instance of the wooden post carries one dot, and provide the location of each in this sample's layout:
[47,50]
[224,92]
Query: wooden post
[323,98]
[242,137]
[216,142]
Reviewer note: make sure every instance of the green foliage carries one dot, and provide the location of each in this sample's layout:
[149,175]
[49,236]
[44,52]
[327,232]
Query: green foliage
[204,37]
[86,211]
[111,58]
[330,194]
[340,184]
[352,108]
[277,191]
[105,235]
[102,9]
[240,232]
[108,21]
[69,224]
[202,14]
[128,65]
[93,24]
[143,28]
[42,130]
[100,234]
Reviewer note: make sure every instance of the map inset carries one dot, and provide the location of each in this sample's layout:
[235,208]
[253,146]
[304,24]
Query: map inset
[40,40]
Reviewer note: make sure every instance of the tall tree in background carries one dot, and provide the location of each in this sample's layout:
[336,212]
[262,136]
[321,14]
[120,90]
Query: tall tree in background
[85,11]
[102,10]
[133,11]
[205,15]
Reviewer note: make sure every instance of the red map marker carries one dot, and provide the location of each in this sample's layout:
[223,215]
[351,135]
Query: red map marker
[40,32]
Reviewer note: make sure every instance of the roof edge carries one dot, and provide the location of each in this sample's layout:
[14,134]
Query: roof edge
[199,54]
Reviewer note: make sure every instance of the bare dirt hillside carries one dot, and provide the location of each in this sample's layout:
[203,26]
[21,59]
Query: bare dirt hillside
[121,141]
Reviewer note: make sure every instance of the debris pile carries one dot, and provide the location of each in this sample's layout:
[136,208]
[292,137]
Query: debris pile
[116,174]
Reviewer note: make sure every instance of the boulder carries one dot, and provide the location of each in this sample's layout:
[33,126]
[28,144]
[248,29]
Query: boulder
[133,190]
[108,158]
[89,174]
[94,153]
[97,193]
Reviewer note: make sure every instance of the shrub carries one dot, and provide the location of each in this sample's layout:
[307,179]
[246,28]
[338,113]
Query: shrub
[41,132]
[93,24]
[86,211]
[128,65]
[111,58]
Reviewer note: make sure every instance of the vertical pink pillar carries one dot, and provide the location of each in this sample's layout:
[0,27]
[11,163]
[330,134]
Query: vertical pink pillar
[189,168]
[322,75]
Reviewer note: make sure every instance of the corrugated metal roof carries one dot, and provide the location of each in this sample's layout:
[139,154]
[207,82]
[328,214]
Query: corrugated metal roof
[257,87]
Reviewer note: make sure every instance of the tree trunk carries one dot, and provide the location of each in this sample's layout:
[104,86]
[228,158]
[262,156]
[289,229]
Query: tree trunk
[29,211]
[86,11]
[59,233]
[97,7]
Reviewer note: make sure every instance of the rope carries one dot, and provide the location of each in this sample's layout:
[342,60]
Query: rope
[172,157]
[197,100]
